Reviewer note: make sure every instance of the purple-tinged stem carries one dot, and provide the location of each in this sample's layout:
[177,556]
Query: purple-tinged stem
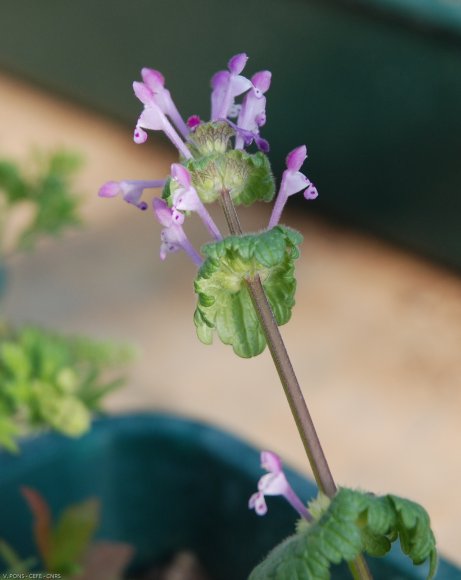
[171,133]
[208,221]
[322,474]
[278,207]
[284,367]
[175,116]
[192,252]
[298,505]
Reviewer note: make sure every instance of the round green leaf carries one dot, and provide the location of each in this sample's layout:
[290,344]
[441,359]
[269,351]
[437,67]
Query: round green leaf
[224,302]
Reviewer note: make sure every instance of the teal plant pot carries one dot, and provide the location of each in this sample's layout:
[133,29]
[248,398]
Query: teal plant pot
[372,86]
[165,484]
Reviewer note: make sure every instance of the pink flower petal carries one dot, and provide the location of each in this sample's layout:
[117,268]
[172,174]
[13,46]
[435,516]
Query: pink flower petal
[109,189]
[294,181]
[153,78]
[311,192]
[162,212]
[258,503]
[152,118]
[143,93]
[262,80]
[139,135]
[273,484]
[271,462]
[181,174]
[220,79]
[237,63]
[296,158]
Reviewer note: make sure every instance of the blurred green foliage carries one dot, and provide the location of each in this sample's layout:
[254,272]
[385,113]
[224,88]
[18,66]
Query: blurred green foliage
[67,547]
[47,380]
[53,381]
[45,190]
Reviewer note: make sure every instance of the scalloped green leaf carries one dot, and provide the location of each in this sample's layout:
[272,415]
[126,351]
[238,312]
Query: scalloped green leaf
[352,523]
[224,303]
[248,177]
[413,525]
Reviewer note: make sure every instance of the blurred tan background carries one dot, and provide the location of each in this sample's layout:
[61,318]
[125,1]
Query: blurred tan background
[375,337]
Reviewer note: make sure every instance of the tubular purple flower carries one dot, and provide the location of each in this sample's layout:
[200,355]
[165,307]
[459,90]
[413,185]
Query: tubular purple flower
[186,198]
[131,191]
[155,81]
[275,483]
[172,236]
[271,462]
[226,85]
[249,136]
[253,112]
[237,63]
[154,118]
[293,181]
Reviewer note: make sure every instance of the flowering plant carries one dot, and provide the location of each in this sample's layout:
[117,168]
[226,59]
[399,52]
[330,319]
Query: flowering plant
[245,288]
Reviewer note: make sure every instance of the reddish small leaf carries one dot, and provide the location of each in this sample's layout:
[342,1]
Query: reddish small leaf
[42,521]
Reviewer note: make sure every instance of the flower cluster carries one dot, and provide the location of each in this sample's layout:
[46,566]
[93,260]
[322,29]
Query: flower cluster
[195,140]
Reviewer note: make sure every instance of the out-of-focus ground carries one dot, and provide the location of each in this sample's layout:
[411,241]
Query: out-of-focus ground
[375,336]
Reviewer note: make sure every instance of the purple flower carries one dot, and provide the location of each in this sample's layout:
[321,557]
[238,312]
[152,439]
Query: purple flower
[253,112]
[226,85]
[186,198]
[131,191]
[293,181]
[172,236]
[193,122]
[155,81]
[275,483]
[153,117]
[248,137]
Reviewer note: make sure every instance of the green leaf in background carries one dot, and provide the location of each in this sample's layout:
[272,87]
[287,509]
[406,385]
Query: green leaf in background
[63,545]
[62,412]
[13,184]
[46,189]
[353,522]
[66,548]
[52,194]
[72,535]
[224,303]
[15,360]
[53,381]
[15,564]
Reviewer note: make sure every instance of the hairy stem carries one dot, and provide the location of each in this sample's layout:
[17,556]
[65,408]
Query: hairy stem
[296,401]
[292,389]
[284,367]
